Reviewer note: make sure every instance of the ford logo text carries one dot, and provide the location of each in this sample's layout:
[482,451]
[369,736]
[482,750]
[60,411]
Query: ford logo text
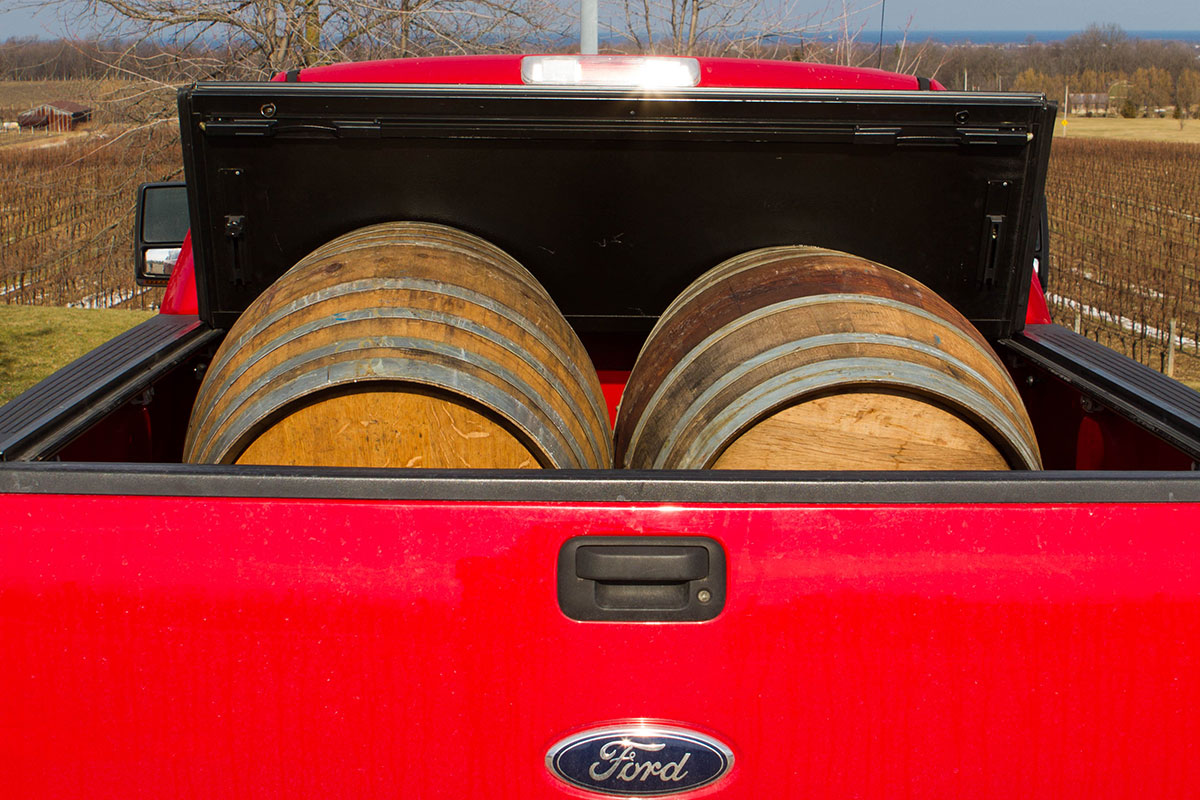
[639,760]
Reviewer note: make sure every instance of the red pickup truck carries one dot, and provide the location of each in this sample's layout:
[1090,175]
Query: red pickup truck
[171,629]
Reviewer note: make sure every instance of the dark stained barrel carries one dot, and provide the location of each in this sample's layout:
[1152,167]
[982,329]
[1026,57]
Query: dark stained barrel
[806,358]
[402,344]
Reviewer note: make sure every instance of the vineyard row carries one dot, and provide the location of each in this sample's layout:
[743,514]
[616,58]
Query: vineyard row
[1124,219]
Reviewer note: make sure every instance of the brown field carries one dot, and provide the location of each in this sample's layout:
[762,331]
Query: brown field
[114,102]
[1146,129]
[1125,246]
[66,216]
[66,200]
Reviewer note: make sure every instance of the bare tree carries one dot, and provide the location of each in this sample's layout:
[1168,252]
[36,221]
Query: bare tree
[915,59]
[725,27]
[255,38]
[1187,93]
[839,29]
[1153,89]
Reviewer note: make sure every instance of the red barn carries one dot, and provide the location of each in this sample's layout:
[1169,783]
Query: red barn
[58,115]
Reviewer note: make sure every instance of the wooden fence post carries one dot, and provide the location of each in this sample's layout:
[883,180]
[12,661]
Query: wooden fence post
[1171,352]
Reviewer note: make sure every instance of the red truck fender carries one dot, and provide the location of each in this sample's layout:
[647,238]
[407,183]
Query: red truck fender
[1037,312]
[180,296]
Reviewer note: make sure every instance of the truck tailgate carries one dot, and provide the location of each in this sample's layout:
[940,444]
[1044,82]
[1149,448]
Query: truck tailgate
[258,647]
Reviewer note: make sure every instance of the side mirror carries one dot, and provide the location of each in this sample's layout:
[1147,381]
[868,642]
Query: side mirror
[159,231]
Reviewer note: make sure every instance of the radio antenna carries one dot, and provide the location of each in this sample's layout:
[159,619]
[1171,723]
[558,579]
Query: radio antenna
[882,10]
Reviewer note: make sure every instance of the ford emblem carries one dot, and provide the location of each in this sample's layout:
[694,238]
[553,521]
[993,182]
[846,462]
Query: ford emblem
[639,760]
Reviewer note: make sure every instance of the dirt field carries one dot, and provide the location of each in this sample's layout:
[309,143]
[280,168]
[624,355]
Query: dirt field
[1152,130]
[23,94]
[66,213]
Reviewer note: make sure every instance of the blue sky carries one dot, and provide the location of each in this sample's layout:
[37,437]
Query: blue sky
[1043,15]
[927,15]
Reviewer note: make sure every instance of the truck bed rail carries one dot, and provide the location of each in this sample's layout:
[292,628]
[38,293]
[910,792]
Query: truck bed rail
[1149,399]
[599,486]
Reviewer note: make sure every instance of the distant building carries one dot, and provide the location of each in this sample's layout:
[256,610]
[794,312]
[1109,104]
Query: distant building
[59,115]
[1095,103]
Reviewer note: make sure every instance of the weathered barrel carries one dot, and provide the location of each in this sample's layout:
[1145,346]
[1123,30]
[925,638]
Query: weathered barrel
[806,358]
[402,344]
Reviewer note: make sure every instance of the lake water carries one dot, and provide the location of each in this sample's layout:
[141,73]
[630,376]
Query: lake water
[1017,37]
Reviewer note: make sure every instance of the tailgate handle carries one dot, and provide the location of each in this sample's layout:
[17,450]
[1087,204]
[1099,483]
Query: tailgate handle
[641,579]
[634,564]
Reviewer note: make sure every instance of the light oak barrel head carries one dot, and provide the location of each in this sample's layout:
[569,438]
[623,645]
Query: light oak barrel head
[863,431]
[372,427]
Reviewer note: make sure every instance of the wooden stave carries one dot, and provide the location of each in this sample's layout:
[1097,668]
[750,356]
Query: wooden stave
[476,261]
[272,354]
[697,314]
[702,306]
[463,242]
[300,294]
[711,361]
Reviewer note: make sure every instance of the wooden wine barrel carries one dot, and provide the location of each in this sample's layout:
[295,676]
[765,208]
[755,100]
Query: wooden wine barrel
[402,344]
[806,358]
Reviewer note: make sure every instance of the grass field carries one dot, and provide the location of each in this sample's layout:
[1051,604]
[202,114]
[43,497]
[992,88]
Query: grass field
[36,340]
[1148,130]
